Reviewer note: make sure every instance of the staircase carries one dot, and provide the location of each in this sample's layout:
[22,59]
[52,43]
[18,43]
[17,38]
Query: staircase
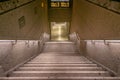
[60,61]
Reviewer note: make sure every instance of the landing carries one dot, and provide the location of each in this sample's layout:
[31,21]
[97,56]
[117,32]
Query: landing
[65,46]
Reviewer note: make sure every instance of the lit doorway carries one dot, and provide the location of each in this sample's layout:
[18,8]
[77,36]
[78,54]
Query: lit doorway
[59,31]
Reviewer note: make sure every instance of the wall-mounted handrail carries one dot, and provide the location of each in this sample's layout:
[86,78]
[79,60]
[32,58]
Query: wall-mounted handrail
[106,42]
[113,41]
[43,38]
[75,37]
[78,38]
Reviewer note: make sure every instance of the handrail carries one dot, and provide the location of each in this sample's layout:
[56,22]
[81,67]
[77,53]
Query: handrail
[78,38]
[43,38]
[113,41]
[75,37]
[104,41]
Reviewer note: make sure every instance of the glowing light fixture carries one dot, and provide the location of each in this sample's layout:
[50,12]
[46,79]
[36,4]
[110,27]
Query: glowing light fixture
[42,4]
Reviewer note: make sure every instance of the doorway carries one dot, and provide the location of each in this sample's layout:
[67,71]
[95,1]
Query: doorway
[59,31]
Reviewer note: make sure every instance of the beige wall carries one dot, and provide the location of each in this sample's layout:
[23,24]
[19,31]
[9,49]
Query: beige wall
[94,22]
[35,21]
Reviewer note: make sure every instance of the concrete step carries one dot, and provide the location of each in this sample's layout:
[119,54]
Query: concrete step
[74,54]
[59,54]
[64,58]
[53,60]
[61,57]
[60,74]
[60,69]
[56,47]
[60,65]
[59,62]
[59,78]
[67,42]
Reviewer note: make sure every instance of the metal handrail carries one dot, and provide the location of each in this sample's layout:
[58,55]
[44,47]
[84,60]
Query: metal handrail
[78,38]
[75,37]
[43,38]
[103,41]
[13,42]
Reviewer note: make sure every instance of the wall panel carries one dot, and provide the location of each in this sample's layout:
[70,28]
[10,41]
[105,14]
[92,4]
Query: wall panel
[35,16]
[94,22]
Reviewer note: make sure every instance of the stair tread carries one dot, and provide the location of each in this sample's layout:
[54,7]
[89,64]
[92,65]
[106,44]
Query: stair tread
[89,78]
[60,72]
[60,67]
[58,62]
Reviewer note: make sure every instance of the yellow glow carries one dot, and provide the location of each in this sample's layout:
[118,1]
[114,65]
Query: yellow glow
[59,31]
[55,4]
[42,4]
[64,4]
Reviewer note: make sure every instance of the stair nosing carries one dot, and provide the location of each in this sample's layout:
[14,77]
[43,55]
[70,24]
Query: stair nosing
[89,78]
[61,72]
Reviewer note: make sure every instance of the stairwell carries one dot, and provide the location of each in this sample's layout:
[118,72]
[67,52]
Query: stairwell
[60,61]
